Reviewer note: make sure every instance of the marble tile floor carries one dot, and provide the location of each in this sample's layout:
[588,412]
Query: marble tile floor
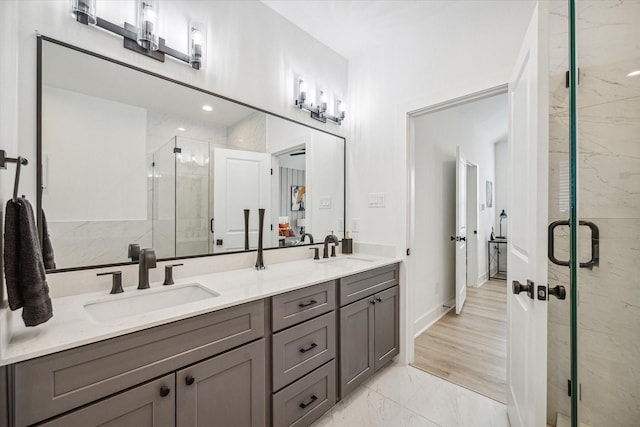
[403,396]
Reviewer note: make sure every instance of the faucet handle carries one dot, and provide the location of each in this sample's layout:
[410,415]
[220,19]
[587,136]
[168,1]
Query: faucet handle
[133,251]
[316,254]
[116,283]
[148,257]
[168,274]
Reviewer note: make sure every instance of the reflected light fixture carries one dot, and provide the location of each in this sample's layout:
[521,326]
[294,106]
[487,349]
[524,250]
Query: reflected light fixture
[142,37]
[207,108]
[181,129]
[318,112]
[634,73]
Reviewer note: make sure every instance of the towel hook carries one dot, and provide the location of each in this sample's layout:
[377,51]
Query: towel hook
[20,161]
[16,183]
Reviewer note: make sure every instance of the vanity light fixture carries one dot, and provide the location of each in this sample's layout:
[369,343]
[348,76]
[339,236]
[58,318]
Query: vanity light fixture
[197,39]
[142,37]
[318,112]
[207,108]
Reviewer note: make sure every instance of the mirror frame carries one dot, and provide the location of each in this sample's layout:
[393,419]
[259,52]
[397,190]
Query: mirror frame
[40,38]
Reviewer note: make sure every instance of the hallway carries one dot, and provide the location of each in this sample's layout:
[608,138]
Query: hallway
[470,349]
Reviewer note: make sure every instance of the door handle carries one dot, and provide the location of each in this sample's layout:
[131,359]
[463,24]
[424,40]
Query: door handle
[454,238]
[458,238]
[595,244]
[211,225]
[558,291]
[518,287]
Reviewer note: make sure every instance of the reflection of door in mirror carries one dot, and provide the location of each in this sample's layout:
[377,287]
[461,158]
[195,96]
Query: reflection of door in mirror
[291,167]
[242,180]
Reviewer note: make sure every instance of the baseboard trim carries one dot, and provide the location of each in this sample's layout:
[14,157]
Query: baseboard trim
[427,320]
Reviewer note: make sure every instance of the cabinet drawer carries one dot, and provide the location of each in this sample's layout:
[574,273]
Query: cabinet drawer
[302,304]
[142,406]
[301,349]
[307,399]
[53,384]
[357,286]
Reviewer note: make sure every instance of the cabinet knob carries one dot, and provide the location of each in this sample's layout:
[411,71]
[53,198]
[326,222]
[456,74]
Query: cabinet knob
[378,299]
[164,391]
[373,301]
[189,380]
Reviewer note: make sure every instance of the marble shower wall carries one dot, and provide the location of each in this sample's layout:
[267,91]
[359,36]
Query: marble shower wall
[609,195]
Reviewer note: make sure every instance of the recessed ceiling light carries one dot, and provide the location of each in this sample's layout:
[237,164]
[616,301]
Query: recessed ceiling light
[634,73]
[207,108]
[181,129]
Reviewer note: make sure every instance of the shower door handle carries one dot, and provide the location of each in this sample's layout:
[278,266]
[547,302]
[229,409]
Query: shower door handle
[595,244]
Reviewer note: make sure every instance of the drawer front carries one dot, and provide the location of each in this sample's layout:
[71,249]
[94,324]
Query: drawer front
[142,406]
[301,349]
[307,399]
[361,285]
[303,304]
[53,384]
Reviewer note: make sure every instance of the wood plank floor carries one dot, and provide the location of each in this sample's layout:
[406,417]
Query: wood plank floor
[470,349]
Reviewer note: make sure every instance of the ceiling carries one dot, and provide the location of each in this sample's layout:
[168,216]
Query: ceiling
[351,27]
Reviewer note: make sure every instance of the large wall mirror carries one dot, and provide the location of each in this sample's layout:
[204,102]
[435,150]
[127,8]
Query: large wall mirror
[129,157]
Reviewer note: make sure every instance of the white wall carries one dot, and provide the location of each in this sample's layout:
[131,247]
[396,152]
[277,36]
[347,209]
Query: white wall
[253,55]
[113,156]
[436,136]
[466,48]
[501,187]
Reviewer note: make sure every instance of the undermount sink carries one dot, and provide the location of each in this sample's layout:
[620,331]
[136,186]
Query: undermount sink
[138,302]
[345,261]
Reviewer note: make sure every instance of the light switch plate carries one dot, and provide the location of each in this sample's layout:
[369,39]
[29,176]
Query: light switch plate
[376,200]
[325,202]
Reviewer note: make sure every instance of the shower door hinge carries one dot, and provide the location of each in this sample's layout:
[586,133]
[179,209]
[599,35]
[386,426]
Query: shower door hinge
[408,251]
[177,150]
[569,390]
[566,82]
[271,225]
[271,171]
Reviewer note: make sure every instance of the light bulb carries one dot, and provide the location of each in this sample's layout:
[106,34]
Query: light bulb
[303,91]
[634,73]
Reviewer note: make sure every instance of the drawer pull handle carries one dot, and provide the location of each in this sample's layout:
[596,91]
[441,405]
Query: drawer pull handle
[311,347]
[189,380]
[303,305]
[164,391]
[313,399]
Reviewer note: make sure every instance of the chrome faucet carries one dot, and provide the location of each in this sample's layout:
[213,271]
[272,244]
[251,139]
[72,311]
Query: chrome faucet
[310,238]
[147,260]
[330,238]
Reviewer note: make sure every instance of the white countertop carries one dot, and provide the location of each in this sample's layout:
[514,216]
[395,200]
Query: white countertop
[72,326]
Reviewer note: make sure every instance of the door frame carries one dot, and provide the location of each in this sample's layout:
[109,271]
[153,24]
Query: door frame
[411,116]
[473,221]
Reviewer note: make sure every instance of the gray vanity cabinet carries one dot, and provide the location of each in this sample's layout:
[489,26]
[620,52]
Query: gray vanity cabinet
[148,405]
[226,390]
[369,327]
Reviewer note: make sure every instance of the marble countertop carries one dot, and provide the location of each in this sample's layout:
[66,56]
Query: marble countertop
[72,326]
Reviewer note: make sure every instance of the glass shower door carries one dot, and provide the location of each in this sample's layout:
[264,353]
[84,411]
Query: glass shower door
[607,122]
[164,201]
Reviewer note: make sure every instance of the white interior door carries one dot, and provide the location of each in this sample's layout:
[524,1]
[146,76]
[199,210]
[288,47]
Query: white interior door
[461,230]
[241,180]
[528,171]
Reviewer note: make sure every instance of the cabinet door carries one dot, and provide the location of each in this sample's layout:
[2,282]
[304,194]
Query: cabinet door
[356,344]
[387,332]
[226,390]
[148,405]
